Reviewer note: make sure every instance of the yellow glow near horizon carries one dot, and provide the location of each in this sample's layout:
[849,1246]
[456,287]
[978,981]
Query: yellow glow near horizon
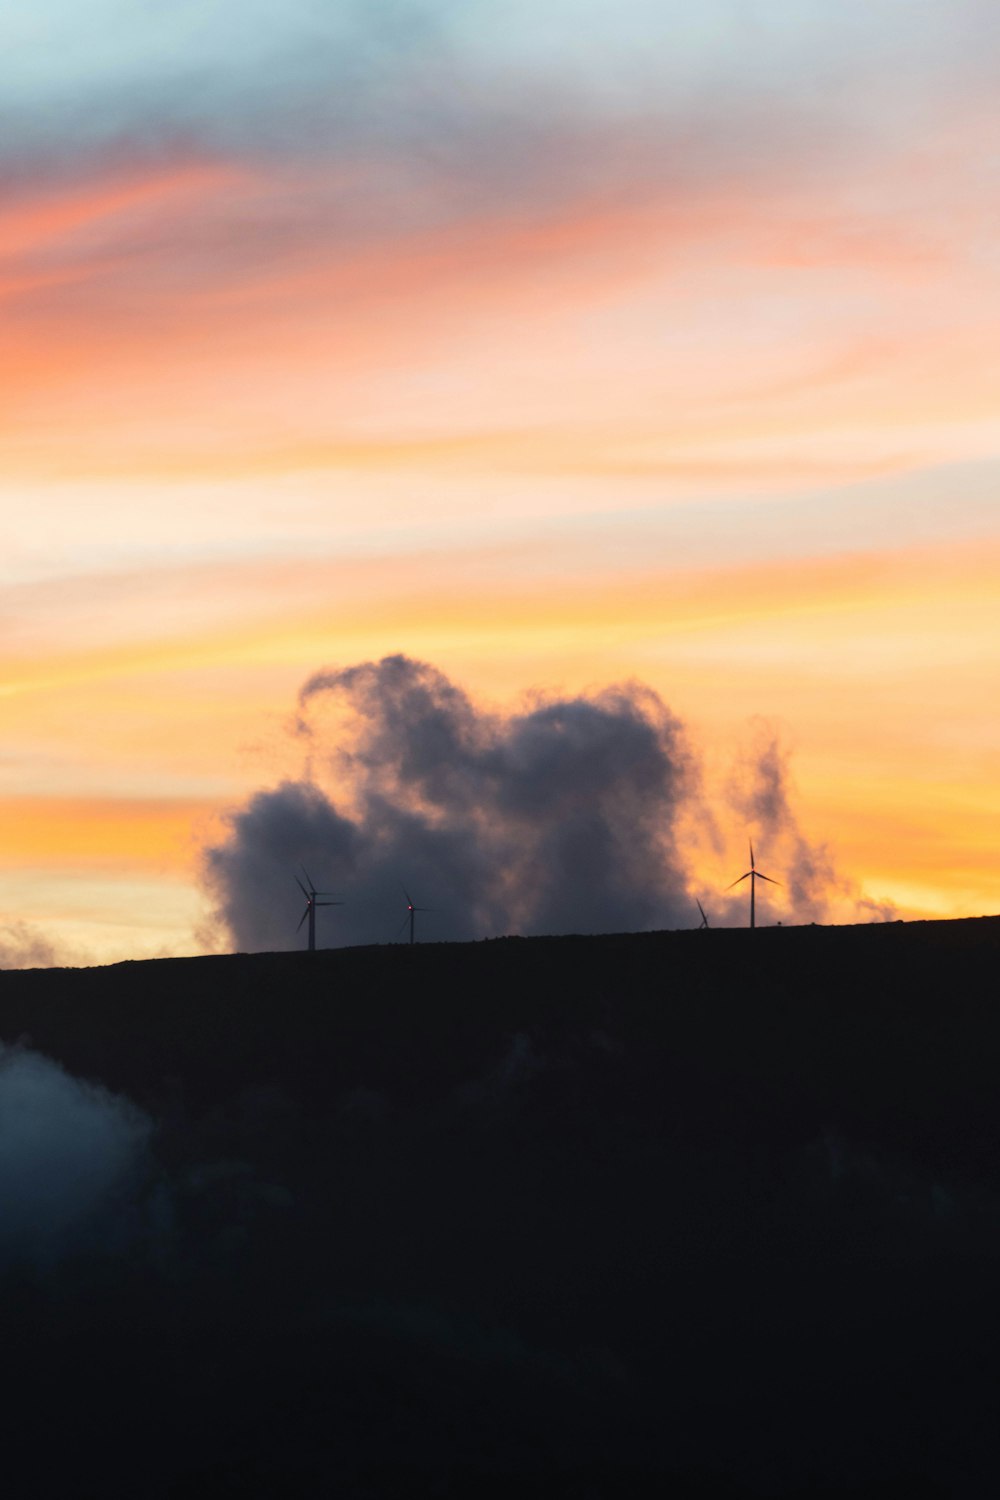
[125,833]
[899,784]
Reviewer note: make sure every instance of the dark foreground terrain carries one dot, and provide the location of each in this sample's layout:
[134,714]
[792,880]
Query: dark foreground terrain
[690,1214]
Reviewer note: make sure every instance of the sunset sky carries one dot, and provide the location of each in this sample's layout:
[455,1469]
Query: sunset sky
[556,344]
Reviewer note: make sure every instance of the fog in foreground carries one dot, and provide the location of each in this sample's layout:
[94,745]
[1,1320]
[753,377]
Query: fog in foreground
[696,1213]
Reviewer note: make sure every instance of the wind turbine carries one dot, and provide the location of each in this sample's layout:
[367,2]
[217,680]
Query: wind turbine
[704,919]
[753,875]
[312,894]
[412,911]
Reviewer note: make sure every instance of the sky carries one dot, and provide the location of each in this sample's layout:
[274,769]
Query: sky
[555,347]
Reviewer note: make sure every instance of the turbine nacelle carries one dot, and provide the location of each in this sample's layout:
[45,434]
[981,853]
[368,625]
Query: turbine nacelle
[411,912]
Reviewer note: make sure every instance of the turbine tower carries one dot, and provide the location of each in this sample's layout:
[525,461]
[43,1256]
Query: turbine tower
[753,875]
[412,911]
[312,894]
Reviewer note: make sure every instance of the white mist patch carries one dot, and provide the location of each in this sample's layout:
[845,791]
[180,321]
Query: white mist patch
[68,1152]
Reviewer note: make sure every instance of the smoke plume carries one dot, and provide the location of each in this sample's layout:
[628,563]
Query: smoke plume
[24,947]
[760,792]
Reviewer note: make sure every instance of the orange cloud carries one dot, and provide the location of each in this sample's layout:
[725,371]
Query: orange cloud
[42,218]
[615,333]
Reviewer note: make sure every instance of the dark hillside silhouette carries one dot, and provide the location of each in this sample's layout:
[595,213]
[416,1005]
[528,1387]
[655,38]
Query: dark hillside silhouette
[692,1213]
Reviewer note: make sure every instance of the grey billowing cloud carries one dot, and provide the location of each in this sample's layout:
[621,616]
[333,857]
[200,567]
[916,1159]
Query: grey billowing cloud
[578,814]
[69,1151]
[560,818]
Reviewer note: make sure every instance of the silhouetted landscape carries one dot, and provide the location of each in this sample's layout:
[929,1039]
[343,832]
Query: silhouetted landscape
[681,1213]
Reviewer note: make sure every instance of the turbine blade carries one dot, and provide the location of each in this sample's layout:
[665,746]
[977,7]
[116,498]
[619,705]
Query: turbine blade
[767,878]
[750,841]
[309,878]
[741,879]
[406,893]
[302,919]
[329,903]
[301,886]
